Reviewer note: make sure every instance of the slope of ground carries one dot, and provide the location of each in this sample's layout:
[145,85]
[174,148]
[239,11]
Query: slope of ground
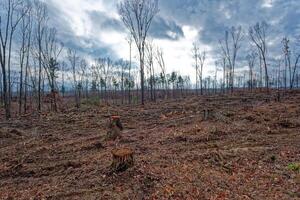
[249,148]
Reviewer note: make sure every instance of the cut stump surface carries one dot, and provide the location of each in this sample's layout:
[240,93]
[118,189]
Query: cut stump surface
[122,159]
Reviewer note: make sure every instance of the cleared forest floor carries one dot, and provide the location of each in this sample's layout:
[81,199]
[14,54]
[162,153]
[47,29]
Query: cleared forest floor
[248,149]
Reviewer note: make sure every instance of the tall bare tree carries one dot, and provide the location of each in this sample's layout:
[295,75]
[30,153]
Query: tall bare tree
[161,62]
[258,35]
[74,59]
[230,47]
[41,19]
[223,61]
[129,40]
[29,43]
[82,77]
[201,57]
[251,57]
[195,52]
[24,51]
[288,63]
[137,16]
[150,66]
[287,60]
[10,17]
[50,54]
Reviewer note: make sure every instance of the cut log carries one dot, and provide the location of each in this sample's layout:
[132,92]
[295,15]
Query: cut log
[122,159]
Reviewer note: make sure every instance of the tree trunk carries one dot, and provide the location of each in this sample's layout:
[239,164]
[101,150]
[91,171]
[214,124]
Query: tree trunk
[266,72]
[5,94]
[142,76]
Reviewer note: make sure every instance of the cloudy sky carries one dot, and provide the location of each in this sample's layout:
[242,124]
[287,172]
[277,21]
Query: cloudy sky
[93,27]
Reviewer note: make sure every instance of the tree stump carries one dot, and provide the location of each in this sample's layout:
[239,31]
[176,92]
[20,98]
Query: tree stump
[114,128]
[116,121]
[207,114]
[122,159]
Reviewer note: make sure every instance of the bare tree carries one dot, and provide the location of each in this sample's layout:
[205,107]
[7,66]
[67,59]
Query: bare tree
[258,36]
[82,73]
[29,41]
[73,59]
[50,55]
[195,52]
[288,66]
[12,15]
[251,57]
[150,66]
[121,65]
[201,57]
[25,37]
[137,16]
[215,84]
[287,60]
[230,47]
[41,19]
[63,67]
[102,70]
[223,61]
[129,40]
[161,62]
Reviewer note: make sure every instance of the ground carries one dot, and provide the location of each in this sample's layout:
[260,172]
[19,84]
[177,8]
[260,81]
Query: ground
[248,148]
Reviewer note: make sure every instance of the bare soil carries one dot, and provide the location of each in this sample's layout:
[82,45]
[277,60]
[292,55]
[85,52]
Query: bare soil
[242,151]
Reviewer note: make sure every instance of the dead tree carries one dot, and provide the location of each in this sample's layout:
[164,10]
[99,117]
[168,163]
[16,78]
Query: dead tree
[28,47]
[224,74]
[251,57]
[25,38]
[73,59]
[230,47]
[129,40]
[50,55]
[196,56]
[82,77]
[63,66]
[258,36]
[288,65]
[137,16]
[150,66]
[287,59]
[161,62]
[41,19]
[201,57]
[121,67]
[105,67]
[10,17]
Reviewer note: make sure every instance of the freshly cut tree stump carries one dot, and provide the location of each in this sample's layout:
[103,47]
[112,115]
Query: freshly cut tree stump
[114,128]
[122,159]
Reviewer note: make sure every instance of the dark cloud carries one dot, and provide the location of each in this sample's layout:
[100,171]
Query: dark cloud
[103,22]
[165,29]
[214,16]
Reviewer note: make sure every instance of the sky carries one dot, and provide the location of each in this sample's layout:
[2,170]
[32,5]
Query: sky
[94,28]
